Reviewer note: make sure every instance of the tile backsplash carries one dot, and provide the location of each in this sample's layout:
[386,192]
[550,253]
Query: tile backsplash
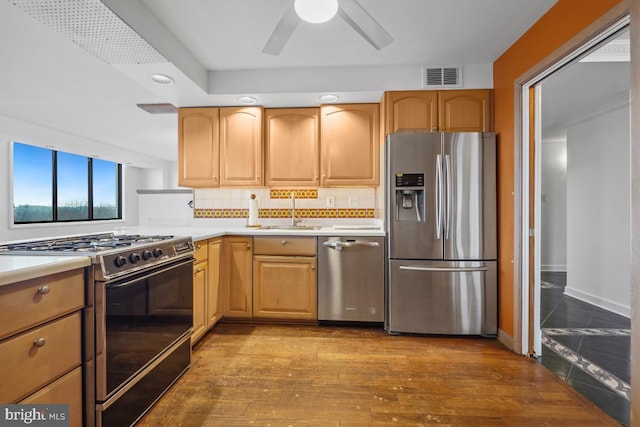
[317,205]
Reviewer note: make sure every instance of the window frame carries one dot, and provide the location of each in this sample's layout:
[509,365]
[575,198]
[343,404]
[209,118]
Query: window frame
[54,193]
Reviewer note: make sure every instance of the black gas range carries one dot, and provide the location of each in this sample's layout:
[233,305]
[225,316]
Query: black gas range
[115,255]
[137,320]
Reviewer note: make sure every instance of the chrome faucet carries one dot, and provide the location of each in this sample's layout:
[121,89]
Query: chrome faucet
[294,221]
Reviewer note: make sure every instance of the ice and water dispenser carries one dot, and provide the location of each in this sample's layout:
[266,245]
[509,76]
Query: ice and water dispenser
[410,191]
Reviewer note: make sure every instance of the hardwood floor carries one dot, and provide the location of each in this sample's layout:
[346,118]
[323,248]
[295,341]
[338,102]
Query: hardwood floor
[284,375]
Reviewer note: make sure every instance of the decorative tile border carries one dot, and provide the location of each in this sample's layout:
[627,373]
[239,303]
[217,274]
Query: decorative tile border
[300,194]
[605,332]
[548,285]
[286,213]
[605,377]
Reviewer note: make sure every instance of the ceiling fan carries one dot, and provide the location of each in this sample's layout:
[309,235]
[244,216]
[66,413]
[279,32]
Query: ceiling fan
[349,10]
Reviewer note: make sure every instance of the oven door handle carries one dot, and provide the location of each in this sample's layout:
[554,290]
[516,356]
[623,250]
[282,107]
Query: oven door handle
[135,279]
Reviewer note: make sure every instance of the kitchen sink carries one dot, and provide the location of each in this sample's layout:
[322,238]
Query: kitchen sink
[289,227]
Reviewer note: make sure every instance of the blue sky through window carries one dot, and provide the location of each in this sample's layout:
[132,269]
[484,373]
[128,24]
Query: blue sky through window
[32,175]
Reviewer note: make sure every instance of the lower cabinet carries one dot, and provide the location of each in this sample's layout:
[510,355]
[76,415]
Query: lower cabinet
[237,254]
[285,287]
[206,287]
[284,278]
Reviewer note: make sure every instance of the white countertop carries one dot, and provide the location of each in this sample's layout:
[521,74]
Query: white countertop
[16,268]
[201,233]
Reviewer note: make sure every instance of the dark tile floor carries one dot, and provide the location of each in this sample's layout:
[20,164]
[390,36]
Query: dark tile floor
[596,340]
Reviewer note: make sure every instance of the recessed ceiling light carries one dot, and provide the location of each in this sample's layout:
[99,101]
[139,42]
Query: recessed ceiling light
[247,100]
[316,11]
[161,78]
[329,98]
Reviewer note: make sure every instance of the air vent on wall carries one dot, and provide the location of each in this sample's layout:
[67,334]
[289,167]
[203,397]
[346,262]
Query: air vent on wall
[440,77]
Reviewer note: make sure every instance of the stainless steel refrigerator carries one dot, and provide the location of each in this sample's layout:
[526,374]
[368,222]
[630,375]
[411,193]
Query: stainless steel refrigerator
[441,222]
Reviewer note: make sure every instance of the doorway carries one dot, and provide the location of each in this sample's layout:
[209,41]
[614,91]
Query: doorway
[582,197]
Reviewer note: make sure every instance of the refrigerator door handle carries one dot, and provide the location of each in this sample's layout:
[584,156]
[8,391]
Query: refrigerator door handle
[438,195]
[445,269]
[447,216]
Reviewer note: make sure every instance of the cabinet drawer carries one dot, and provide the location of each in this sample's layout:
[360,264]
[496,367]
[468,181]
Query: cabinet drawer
[201,251]
[27,367]
[284,245]
[65,390]
[26,304]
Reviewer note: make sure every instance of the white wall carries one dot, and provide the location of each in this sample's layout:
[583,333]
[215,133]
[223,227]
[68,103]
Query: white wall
[598,211]
[553,224]
[134,178]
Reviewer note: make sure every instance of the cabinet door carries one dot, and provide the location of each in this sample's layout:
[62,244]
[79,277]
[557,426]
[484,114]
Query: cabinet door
[237,298]
[198,147]
[214,311]
[465,110]
[349,136]
[240,146]
[411,111]
[199,301]
[285,287]
[292,146]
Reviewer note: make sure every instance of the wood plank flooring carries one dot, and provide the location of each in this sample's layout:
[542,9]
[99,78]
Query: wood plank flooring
[287,375]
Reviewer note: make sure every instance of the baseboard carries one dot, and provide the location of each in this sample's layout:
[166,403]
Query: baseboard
[505,339]
[604,303]
[554,268]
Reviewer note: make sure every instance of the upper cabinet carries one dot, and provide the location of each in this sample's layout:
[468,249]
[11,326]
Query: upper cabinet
[292,146]
[198,142]
[350,135]
[241,146]
[466,110]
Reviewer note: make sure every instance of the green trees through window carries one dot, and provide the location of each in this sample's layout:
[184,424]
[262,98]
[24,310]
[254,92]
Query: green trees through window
[54,186]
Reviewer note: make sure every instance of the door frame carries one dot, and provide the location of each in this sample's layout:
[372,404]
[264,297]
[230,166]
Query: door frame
[525,134]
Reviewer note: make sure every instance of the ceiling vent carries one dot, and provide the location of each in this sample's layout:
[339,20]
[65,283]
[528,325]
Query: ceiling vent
[442,77]
[158,108]
[94,27]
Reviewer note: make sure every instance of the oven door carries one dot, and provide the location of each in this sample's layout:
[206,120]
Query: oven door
[137,319]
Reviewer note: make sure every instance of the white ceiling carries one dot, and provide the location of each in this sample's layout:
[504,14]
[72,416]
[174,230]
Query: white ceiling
[214,51]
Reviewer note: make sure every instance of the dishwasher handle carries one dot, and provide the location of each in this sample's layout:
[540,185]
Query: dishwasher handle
[338,244]
[445,269]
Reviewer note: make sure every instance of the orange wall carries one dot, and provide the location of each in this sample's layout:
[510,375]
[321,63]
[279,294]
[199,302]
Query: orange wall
[562,22]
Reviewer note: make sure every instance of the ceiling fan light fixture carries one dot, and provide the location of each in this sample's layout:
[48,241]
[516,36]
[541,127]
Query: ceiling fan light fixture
[316,11]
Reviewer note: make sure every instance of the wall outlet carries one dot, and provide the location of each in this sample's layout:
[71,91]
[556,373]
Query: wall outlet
[353,202]
[331,201]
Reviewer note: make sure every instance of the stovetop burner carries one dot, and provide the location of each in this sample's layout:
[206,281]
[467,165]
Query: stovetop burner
[86,243]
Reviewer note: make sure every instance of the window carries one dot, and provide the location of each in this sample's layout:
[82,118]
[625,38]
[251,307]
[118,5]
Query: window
[54,186]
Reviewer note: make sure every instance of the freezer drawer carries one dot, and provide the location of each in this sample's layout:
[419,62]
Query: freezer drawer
[439,297]
[351,279]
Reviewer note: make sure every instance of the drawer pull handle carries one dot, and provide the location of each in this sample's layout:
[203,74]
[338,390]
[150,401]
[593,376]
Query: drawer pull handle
[40,342]
[284,242]
[43,290]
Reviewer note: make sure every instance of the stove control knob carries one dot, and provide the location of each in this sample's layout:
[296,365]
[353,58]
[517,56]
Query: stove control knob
[120,261]
[146,255]
[157,252]
[134,257]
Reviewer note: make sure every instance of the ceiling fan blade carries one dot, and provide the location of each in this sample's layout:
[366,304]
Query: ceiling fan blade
[282,32]
[360,20]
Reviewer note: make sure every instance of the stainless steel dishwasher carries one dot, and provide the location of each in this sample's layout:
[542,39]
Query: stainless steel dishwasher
[351,279]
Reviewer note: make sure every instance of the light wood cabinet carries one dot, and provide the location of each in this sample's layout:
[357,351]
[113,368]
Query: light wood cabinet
[285,278]
[237,279]
[214,311]
[41,345]
[206,287]
[464,110]
[200,275]
[292,146]
[198,147]
[241,146]
[350,144]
